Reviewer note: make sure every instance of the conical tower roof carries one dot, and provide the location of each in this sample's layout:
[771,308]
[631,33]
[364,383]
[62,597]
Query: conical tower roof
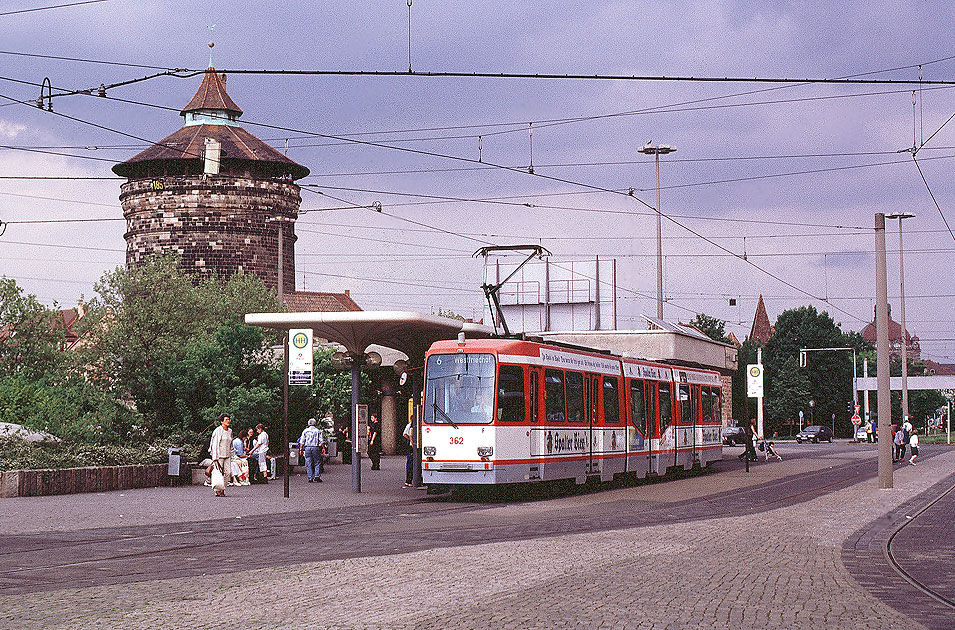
[762,330]
[211,95]
[211,115]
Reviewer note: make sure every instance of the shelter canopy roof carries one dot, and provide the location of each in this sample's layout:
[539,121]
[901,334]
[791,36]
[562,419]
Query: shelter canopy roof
[409,332]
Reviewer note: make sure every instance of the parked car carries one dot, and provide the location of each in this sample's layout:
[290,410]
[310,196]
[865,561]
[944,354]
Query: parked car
[734,436]
[861,434]
[815,434]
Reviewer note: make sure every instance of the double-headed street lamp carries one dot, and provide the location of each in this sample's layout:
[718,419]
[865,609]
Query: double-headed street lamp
[658,150]
[905,367]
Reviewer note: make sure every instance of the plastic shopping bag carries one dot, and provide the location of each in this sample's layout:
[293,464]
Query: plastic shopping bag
[218,481]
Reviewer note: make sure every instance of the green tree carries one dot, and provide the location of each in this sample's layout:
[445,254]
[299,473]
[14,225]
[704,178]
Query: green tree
[787,397]
[829,373]
[744,407]
[178,350]
[30,335]
[712,327]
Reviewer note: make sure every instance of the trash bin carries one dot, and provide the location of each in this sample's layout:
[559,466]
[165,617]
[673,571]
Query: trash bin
[332,446]
[175,459]
[293,454]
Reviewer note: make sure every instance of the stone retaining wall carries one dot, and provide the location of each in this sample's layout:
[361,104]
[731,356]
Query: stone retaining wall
[34,483]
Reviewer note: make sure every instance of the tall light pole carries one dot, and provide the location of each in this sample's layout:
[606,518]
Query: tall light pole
[905,351]
[658,150]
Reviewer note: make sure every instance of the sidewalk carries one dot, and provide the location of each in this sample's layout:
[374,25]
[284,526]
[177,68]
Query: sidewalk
[182,504]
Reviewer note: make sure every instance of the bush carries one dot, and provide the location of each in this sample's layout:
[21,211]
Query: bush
[18,454]
[72,410]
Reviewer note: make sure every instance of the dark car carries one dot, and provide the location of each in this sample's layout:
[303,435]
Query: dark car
[815,434]
[734,436]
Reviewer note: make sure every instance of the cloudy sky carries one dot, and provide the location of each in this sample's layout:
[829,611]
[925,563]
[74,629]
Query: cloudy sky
[789,174]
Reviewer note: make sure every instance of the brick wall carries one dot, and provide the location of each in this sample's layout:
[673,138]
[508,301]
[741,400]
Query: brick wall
[36,483]
[218,224]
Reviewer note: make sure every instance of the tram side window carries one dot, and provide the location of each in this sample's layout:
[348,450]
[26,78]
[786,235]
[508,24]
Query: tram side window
[685,404]
[717,404]
[535,403]
[666,407]
[575,397]
[554,395]
[611,400]
[707,404]
[651,415]
[510,393]
[638,407]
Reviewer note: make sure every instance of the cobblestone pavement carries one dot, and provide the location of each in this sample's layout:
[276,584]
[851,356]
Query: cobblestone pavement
[775,568]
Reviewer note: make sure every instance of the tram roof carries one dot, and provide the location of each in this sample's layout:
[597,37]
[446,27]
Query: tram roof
[406,331]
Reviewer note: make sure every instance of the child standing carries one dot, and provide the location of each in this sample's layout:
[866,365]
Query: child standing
[914,445]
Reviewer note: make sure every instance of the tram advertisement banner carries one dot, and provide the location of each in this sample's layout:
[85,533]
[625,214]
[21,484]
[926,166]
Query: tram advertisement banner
[574,361]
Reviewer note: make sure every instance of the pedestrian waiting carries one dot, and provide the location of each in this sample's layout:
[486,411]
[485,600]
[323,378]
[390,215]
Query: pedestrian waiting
[312,446]
[914,445]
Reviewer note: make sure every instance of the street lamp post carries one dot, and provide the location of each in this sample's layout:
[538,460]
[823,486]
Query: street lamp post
[657,151]
[905,367]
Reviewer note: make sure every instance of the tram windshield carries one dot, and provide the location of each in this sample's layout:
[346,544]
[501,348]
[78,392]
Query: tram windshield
[459,389]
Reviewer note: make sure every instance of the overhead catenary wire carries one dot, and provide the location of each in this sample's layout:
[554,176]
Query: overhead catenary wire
[578,183]
[49,7]
[470,160]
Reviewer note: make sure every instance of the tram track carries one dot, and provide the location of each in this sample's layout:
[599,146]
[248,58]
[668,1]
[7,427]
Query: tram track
[896,565]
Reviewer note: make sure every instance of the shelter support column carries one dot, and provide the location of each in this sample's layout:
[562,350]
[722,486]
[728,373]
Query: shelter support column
[389,417]
[355,455]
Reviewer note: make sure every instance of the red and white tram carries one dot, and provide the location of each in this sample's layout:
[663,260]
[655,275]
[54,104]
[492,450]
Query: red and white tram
[511,411]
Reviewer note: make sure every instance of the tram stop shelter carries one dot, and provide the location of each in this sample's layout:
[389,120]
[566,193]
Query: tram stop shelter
[407,332]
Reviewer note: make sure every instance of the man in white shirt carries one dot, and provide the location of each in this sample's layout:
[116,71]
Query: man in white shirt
[260,450]
[220,449]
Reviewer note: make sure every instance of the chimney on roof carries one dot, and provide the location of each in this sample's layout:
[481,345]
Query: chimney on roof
[347,293]
[211,157]
[222,78]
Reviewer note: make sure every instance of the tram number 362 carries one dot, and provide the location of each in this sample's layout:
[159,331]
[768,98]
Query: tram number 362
[457,440]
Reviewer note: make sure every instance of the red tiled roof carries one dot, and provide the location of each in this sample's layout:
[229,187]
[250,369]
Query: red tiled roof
[212,95]
[939,369]
[319,302]
[189,144]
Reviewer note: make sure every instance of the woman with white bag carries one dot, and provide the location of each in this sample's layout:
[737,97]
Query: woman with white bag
[220,449]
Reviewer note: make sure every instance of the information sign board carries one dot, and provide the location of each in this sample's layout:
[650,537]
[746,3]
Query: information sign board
[754,380]
[362,414]
[300,356]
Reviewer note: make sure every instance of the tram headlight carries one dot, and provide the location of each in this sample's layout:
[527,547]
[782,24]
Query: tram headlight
[485,451]
[429,451]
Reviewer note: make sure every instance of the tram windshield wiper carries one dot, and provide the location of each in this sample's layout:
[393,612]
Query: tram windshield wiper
[446,416]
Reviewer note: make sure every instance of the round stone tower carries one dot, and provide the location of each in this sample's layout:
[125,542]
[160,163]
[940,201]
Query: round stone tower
[215,194]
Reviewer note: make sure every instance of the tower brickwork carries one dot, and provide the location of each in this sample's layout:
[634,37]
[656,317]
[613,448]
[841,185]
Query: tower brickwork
[213,193]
